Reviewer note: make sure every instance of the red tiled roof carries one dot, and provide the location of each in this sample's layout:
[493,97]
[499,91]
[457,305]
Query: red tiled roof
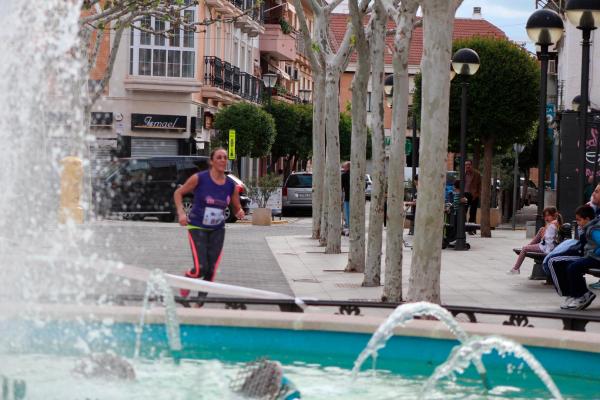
[463,28]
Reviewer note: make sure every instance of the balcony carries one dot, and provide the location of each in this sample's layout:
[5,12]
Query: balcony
[226,83]
[281,94]
[277,44]
[249,22]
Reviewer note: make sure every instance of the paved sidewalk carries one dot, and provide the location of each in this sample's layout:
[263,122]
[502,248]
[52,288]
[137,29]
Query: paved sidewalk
[472,278]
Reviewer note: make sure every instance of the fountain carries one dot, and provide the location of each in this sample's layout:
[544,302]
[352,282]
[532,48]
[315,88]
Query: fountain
[55,297]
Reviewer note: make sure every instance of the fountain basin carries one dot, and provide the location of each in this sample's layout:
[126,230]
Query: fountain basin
[319,340]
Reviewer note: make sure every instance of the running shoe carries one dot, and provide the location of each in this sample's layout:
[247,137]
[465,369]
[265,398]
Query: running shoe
[581,303]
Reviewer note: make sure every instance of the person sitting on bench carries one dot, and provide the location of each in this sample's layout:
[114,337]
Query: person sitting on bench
[568,267]
[544,241]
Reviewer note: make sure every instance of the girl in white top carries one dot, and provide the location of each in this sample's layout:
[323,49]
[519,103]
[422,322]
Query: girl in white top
[544,241]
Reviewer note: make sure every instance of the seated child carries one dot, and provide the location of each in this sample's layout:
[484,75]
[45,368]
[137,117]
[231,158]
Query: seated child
[544,241]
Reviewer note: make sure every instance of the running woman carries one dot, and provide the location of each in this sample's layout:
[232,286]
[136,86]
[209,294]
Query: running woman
[213,192]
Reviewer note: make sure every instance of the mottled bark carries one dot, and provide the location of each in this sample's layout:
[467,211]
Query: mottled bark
[424,282]
[405,19]
[374,244]
[332,166]
[358,157]
[486,179]
[318,159]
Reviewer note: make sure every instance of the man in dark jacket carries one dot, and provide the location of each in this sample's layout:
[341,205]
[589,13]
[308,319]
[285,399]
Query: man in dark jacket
[472,189]
[346,191]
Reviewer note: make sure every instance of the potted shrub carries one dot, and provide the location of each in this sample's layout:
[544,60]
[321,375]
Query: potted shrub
[260,190]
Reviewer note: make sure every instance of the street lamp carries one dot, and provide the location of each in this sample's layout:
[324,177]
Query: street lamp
[544,27]
[269,79]
[585,15]
[305,95]
[465,62]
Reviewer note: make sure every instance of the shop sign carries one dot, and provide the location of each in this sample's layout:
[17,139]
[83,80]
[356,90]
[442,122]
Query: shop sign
[157,121]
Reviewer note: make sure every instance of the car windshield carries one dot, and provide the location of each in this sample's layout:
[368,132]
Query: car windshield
[299,181]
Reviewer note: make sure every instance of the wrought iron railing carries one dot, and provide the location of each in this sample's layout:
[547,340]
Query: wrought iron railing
[257,12]
[222,74]
[571,320]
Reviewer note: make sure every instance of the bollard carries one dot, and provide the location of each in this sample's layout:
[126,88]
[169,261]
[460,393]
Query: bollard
[71,186]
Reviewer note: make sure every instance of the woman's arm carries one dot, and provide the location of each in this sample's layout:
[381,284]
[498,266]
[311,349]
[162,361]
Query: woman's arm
[237,207]
[184,189]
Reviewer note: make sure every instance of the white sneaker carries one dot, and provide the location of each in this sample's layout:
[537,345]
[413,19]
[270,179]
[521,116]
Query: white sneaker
[582,302]
[566,304]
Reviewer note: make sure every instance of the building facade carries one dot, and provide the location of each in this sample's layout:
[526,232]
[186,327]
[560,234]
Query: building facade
[164,92]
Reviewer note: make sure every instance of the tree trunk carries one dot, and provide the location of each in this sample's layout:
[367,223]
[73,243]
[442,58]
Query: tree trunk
[332,167]
[488,155]
[318,158]
[424,284]
[374,245]
[358,157]
[392,290]
[476,155]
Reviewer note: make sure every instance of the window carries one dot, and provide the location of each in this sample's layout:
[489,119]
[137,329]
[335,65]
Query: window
[159,26]
[174,63]
[145,62]
[162,171]
[299,181]
[159,62]
[145,37]
[159,55]
[188,36]
[187,65]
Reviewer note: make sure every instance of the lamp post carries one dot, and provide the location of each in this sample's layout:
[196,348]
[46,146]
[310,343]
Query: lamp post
[585,15]
[544,27]
[465,62]
[304,95]
[269,80]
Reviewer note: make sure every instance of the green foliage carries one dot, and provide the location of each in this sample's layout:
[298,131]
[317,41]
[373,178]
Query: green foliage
[502,95]
[255,129]
[286,28]
[345,128]
[261,189]
[293,124]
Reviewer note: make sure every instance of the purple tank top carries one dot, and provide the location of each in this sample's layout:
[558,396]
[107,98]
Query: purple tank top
[210,201]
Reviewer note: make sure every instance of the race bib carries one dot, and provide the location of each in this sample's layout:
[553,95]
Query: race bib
[213,216]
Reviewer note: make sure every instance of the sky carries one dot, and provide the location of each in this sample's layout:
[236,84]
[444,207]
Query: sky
[508,15]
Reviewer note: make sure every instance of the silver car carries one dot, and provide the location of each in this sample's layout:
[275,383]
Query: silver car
[296,193]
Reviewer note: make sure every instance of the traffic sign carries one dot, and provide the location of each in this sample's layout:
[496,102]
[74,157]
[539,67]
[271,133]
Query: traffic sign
[231,151]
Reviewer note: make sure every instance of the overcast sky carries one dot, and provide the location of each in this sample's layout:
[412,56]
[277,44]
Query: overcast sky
[508,15]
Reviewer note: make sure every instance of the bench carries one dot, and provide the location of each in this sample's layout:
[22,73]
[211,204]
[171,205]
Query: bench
[537,273]
[595,272]
[276,212]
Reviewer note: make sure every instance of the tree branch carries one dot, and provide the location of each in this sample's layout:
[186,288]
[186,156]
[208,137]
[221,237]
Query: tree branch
[99,89]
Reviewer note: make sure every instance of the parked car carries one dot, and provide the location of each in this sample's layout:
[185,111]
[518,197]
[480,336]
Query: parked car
[139,187]
[368,187]
[296,193]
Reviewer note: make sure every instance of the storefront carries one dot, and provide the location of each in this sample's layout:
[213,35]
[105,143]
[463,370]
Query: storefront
[154,124]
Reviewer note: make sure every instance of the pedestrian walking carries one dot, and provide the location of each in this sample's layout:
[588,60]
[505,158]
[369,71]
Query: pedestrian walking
[213,192]
[472,189]
[346,193]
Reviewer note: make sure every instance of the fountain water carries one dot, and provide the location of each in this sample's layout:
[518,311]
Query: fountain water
[401,315]
[42,91]
[157,285]
[475,347]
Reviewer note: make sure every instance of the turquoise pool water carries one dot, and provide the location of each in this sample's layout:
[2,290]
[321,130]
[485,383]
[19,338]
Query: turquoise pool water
[318,362]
